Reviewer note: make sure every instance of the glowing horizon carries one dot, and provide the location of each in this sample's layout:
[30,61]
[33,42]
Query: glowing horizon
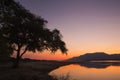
[86,25]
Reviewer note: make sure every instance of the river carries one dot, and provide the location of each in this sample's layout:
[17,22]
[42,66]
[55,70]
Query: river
[82,72]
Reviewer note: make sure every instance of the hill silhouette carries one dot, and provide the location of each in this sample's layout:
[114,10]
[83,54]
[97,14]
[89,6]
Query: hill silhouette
[96,56]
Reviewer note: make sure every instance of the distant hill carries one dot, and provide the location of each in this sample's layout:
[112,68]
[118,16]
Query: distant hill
[96,56]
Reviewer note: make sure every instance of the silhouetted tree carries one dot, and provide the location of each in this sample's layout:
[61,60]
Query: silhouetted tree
[5,50]
[23,31]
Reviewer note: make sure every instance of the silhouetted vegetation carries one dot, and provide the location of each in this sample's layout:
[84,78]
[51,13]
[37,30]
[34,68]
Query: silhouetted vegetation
[99,64]
[22,31]
[62,77]
[32,70]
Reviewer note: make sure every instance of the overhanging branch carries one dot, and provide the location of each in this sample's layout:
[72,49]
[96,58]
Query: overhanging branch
[23,52]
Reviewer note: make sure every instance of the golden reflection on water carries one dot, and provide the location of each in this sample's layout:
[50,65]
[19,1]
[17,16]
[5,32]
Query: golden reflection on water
[77,72]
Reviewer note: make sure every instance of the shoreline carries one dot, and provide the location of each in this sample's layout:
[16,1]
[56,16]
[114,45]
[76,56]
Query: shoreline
[38,70]
[33,70]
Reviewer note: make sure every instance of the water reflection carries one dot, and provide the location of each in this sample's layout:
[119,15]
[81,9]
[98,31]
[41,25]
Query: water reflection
[79,72]
[99,64]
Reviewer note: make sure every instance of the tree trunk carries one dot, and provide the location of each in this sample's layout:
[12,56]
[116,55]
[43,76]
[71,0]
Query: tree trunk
[17,60]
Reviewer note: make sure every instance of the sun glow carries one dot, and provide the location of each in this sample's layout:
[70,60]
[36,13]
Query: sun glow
[87,26]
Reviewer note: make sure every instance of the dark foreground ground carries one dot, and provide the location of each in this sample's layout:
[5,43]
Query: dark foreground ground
[32,70]
[38,70]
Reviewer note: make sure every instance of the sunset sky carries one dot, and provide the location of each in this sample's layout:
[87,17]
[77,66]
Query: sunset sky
[86,25]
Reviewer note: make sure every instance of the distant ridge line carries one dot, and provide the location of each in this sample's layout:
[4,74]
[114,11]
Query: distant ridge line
[95,56]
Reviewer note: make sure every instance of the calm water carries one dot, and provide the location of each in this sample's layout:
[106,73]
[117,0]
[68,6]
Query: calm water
[78,72]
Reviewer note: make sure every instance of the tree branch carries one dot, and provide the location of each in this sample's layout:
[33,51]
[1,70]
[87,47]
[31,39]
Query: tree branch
[15,49]
[23,52]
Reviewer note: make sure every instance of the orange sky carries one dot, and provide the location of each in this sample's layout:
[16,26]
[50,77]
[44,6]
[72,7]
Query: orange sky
[86,25]
[59,56]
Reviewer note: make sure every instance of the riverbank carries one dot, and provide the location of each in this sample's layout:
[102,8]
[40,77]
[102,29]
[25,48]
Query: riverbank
[38,70]
[32,70]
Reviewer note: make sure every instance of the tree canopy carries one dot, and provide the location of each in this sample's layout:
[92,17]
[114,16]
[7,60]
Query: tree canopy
[23,31]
